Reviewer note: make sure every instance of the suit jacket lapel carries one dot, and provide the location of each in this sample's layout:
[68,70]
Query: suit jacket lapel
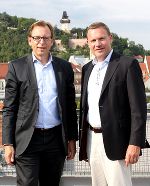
[112,66]
[31,71]
[58,75]
[85,83]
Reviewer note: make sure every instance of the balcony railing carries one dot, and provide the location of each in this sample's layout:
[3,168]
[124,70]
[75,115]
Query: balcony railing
[78,168]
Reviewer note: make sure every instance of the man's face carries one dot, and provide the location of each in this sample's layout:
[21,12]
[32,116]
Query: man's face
[99,42]
[40,41]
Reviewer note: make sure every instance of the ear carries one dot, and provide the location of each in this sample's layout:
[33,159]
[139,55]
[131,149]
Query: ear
[29,41]
[86,40]
[111,38]
[52,43]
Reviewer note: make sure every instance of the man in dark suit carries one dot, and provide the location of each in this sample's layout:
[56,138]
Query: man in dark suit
[39,115]
[113,111]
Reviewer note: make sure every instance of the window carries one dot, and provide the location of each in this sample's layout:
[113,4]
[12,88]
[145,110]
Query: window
[2,84]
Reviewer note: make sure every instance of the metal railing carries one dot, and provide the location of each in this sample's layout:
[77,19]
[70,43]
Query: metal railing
[142,168]
[81,168]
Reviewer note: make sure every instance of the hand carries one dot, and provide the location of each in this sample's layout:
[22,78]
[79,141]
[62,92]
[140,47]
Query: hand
[9,154]
[132,154]
[71,149]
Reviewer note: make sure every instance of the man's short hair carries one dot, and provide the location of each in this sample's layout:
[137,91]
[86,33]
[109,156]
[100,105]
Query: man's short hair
[43,24]
[99,25]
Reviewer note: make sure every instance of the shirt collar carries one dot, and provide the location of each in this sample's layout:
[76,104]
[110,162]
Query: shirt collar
[106,60]
[36,60]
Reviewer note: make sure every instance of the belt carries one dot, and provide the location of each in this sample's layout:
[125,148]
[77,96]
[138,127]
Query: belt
[96,130]
[42,129]
[47,129]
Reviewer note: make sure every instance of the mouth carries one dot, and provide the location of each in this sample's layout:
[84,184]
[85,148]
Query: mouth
[99,49]
[41,48]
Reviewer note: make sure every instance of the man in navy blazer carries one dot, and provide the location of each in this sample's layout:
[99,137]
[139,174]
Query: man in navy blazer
[112,111]
[39,115]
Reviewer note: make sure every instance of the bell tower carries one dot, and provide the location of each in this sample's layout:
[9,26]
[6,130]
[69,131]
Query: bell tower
[65,22]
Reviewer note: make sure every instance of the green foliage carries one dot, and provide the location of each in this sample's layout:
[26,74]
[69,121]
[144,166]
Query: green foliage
[70,51]
[127,52]
[65,40]
[78,33]
[129,48]
[83,50]
[62,54]
[57,32]
[119,44]
[13,40]
[147,52]
[136,49]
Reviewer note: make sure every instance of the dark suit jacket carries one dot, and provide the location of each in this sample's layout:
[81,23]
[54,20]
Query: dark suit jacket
[122,107]
[21,103]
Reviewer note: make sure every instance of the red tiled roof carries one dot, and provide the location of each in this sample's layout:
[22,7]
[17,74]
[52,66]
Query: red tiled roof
[144,71]
[3,70]
[143,66]
[148,62]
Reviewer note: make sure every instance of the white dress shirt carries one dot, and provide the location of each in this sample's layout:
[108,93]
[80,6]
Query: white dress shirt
[48,111]
[94,90]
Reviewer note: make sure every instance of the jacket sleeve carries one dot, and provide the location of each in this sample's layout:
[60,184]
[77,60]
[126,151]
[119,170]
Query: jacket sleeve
[72,126]
[10,106]
[137,101]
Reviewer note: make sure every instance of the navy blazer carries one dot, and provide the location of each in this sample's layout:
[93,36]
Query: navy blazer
[122,107]
[21,103]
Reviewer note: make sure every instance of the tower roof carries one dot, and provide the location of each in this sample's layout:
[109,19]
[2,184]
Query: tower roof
[64,18]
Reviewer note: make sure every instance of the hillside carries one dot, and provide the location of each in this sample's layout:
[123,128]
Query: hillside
[13,40]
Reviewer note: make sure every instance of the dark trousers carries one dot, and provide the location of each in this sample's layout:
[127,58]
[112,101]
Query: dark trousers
[42,162]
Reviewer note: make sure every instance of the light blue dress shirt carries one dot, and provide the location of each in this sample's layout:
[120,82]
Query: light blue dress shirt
[48,110]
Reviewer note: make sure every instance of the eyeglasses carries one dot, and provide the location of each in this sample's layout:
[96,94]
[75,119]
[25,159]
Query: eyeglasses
[37,39]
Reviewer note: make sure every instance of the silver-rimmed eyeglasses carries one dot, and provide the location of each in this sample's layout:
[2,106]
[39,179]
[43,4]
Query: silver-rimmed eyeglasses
[37,39]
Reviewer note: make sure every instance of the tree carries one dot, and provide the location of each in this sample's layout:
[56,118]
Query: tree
[13,40]
[119,44]
[65,40]
[24,23]
[127,52]
[78,33]
[136,49]
[147,52]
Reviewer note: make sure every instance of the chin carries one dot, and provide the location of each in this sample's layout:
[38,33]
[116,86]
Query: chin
[100,57]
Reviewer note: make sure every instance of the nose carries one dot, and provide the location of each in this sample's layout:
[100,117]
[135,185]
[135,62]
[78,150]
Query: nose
[42,40]
[98,42]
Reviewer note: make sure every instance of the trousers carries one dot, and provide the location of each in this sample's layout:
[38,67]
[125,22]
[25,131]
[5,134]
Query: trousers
[104,171]
[42,162]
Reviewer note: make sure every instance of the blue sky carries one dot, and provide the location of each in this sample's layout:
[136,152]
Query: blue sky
[127,18]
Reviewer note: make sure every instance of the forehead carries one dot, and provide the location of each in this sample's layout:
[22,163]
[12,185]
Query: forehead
[41,30]
[97,32]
